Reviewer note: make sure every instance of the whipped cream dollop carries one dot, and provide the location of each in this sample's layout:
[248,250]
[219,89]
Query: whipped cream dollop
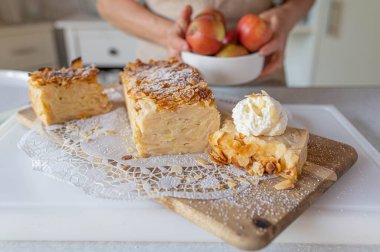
[260,115]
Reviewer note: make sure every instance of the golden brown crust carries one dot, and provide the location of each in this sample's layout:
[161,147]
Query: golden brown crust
[280,155]
[230,147]
[169,83]
[64,76]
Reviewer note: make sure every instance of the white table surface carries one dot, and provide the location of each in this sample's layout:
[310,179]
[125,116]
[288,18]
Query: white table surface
[358,105]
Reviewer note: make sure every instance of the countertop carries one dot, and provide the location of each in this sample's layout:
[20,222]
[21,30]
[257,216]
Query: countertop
[361,106]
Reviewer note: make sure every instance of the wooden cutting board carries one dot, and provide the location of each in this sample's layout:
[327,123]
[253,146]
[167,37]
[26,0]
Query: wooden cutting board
[252,219]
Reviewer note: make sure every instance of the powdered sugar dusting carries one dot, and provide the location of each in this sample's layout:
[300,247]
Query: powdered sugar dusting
[169,83]
[259,206]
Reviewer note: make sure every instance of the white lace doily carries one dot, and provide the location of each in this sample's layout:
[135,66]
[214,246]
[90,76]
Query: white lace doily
[96,154]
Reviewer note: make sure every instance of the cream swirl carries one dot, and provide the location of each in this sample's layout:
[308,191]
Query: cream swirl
[260,115]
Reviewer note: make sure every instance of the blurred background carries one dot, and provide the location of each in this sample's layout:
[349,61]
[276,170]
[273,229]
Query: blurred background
[337,44]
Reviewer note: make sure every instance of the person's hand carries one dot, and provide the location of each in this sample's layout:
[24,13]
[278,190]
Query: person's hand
[176,42]
[274,50]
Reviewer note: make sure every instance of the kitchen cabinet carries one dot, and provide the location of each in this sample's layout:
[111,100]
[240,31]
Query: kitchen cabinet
[27,47]
[109,48]
[349,43]
[342,47]
[96,42]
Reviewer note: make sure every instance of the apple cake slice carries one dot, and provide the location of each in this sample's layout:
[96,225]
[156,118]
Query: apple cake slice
[170,107]
[60,95]
[284,155]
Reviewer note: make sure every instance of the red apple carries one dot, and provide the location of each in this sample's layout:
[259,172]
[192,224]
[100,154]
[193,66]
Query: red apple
[231,37]
[218,15]
[232,50]
[205,35]
[253,32]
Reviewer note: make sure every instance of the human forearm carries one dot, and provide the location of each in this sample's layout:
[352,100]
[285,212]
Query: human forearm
[295,10]
[281,19]
[129,16]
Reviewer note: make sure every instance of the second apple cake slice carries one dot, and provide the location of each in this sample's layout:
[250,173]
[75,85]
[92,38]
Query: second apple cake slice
[170,107]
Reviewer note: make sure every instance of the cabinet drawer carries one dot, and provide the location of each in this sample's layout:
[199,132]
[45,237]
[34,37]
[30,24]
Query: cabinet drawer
[106,48]
[26,50]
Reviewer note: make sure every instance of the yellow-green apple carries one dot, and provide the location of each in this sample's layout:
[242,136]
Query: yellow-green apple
[253,32]
[218,15]
[205,35]
[231,37]
[232,50]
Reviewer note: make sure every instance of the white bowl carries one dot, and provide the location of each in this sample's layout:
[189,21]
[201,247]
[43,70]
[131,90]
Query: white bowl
[226,71]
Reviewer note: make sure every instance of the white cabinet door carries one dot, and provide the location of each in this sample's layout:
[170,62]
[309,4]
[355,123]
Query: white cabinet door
[106,48]
[348,50]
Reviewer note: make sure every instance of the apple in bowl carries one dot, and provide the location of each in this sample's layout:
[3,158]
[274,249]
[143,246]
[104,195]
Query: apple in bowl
[205,35]
[226,58]
[231,37]
[214,13]
[232,50]
[253,32]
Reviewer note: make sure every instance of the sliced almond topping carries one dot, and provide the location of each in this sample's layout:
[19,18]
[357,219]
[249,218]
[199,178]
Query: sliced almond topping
[256,169]
[111,132]
[242,161]
[216,160]
[221,187]
[201,161]
[125,167]
[251,172]
[255,181]
[285,185]
[221,159]
[270,167]
[215,137]
[127,157]
[287,176]
[231,184]
[243,181]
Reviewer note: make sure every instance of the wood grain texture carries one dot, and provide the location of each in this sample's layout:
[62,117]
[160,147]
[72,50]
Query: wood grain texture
[251,219]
